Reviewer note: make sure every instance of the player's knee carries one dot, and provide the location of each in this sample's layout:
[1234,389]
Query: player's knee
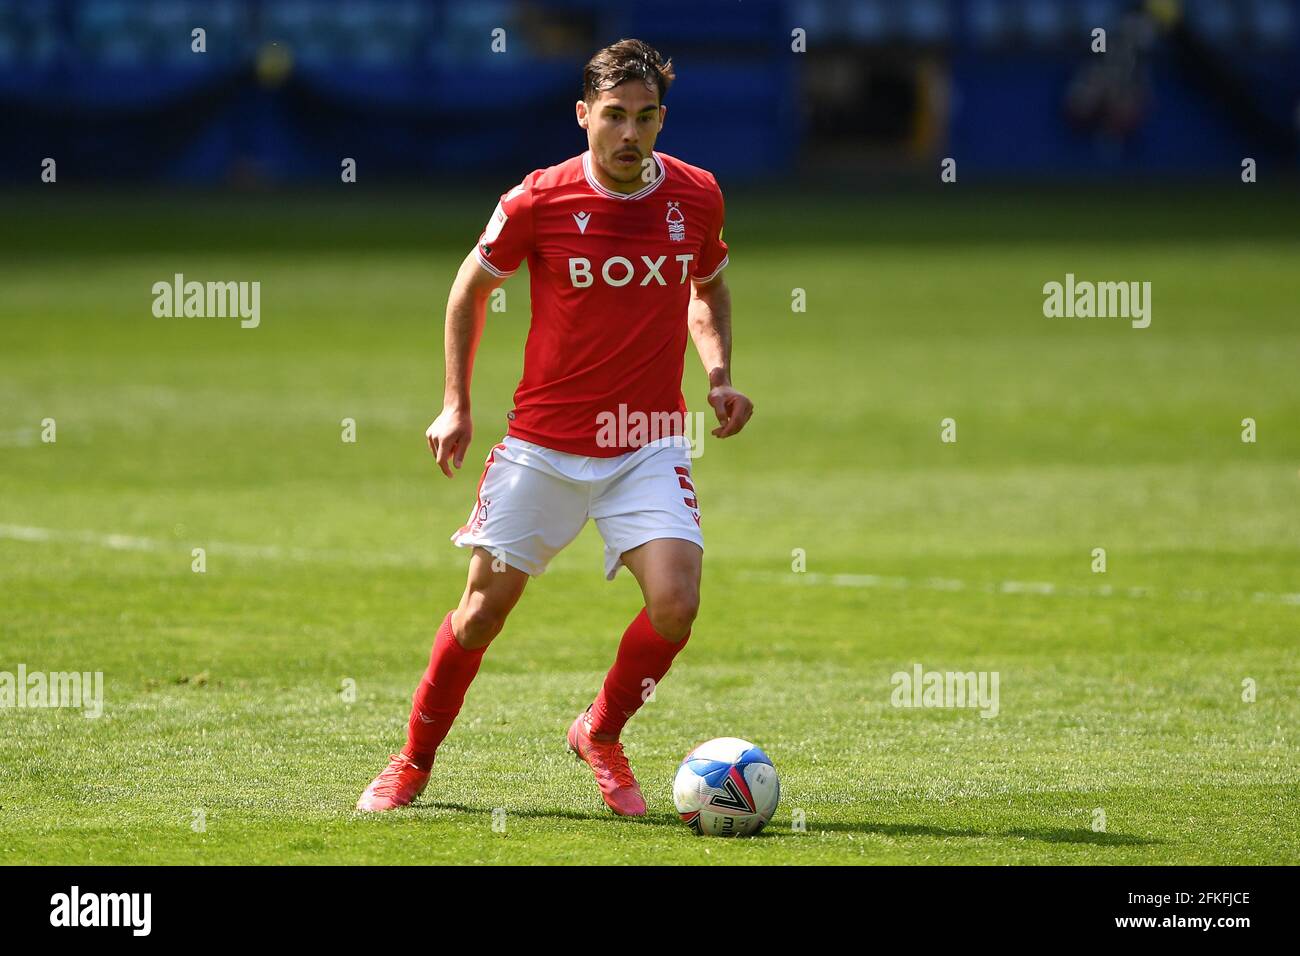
[673,613]
[478,621]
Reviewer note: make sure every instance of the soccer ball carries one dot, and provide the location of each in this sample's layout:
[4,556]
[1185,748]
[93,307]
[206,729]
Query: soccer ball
[726,787]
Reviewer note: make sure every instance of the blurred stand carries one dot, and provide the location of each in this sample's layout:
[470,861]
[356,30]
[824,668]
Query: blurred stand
[418,92]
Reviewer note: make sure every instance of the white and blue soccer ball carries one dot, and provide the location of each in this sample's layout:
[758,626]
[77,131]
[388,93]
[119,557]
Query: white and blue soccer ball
[726,787]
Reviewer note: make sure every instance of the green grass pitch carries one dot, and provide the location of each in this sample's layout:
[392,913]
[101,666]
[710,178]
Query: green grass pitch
[228,735]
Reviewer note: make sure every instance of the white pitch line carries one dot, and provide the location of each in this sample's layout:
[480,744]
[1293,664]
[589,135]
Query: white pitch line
[125,542]
[18,438]
[1045,588]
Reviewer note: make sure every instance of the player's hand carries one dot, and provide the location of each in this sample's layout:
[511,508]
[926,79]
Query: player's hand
[732,408]
[449,438]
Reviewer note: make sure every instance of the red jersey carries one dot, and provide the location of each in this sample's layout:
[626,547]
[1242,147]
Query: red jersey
[609,274]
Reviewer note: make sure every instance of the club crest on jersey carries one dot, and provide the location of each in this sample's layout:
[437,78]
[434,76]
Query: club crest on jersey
[676,222]
[581,219]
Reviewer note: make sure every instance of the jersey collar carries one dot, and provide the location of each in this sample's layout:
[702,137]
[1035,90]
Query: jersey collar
[645,190]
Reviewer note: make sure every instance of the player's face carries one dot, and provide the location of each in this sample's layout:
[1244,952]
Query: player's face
[622,125]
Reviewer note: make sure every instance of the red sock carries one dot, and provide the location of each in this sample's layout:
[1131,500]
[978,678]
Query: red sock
[642,653]
[438,699]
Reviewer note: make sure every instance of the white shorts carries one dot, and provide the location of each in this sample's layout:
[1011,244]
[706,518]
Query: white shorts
[532,501]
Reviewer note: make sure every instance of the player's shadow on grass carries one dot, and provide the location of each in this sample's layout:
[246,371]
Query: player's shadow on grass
[651,819]
[1044,834]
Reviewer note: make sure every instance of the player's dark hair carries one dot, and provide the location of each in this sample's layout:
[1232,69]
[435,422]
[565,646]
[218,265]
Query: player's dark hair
[623,61]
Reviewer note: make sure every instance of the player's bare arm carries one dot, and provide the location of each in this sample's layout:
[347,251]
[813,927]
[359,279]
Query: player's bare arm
[709,316]
[450,434]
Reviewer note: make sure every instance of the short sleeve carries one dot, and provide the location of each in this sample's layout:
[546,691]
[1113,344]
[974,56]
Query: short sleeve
[508,236]
[713,251]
